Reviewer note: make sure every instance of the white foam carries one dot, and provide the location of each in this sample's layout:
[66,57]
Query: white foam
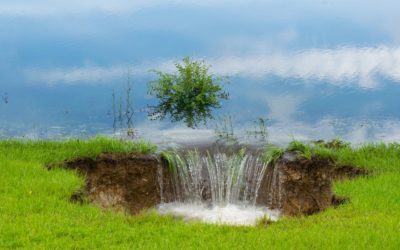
[230,214]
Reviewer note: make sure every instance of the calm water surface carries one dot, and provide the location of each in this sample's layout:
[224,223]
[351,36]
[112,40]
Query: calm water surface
[314,69]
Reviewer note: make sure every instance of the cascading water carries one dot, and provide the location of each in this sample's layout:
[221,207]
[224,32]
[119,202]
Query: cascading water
[218,187]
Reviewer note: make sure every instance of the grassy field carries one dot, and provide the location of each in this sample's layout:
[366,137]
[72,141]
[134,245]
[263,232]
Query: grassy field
[35,212]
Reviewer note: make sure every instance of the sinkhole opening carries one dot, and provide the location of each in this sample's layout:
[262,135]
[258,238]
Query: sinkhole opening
[213,185]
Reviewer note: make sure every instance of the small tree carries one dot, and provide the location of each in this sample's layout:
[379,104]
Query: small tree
[189,95]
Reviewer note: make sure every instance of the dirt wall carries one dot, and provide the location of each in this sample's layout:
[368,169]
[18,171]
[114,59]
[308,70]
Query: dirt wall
[124,181]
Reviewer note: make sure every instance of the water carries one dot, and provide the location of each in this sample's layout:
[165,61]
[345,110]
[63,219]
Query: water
[315,69]
[218,187]
[231,214]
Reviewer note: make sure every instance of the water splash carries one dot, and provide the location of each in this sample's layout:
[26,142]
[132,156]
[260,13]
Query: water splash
[230,214]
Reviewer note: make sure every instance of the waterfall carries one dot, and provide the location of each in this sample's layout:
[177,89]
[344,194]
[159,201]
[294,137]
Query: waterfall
[217,178]
[160,177]
[217,186]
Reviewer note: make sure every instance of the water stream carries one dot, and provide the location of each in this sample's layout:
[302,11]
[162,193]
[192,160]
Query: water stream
[218,187]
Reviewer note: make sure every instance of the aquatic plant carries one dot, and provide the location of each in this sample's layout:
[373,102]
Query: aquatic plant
[189,95]
[260,130]
[124,114]
[120,114]
[224,131]
[114,112]
[129,107]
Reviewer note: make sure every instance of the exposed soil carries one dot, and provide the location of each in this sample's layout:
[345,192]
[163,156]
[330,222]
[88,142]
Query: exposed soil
[132,183]
[299,186]
[348,172]
[122,181]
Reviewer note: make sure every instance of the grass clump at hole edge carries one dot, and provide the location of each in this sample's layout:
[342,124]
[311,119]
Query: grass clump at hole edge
[320,150]
[168,158]
[272,154]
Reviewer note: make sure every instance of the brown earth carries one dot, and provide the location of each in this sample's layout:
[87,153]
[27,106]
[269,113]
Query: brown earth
[348,172]
[122,181]
[299,186]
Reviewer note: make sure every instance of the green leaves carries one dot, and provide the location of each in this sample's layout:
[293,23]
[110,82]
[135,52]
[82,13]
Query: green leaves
[189,95]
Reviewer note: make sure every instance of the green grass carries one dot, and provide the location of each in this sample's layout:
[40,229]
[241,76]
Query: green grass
[56,151]
[35,212]
[272,154]
[168,157]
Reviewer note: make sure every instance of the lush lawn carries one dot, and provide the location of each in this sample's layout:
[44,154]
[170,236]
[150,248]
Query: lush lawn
[35,212]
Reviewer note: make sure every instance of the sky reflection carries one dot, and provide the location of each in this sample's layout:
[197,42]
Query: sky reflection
[315,69]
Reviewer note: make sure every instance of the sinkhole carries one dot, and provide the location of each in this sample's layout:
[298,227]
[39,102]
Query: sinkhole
[236,186]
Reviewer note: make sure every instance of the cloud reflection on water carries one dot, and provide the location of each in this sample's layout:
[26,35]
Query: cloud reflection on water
[361,67]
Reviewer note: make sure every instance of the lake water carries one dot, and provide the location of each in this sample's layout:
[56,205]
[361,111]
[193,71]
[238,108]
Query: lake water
[315,69]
